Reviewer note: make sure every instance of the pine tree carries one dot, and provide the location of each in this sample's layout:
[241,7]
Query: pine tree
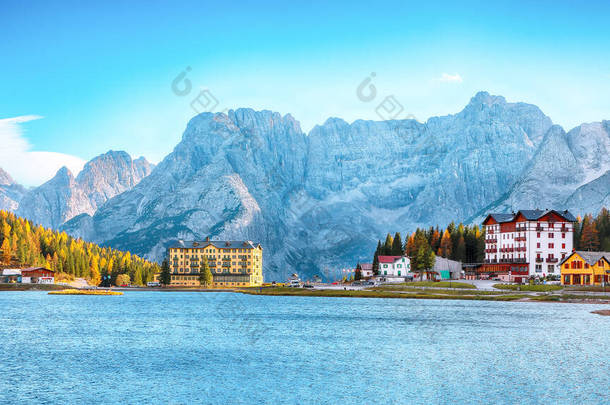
[397,245]
[460,254]
[387,247]
[376,259]
[358,272]
[165,278]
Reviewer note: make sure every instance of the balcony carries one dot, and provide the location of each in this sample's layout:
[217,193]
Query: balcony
[520,239]
[552,259]
[539,260]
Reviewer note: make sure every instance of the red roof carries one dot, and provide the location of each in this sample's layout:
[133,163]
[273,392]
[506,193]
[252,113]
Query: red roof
[388,259]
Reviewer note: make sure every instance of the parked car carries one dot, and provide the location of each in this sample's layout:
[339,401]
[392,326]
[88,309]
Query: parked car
[153,284]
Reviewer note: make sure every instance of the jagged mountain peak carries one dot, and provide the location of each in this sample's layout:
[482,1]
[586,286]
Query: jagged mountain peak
[65,196]
[483,98]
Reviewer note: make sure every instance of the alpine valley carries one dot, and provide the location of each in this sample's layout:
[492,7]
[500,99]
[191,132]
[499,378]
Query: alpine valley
[321,200]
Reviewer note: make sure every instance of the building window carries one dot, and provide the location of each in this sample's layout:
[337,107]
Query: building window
[551,268]
[538,245]
[551,245]
[563,245]
[551,235]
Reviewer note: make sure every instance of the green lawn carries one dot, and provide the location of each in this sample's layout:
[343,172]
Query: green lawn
[536,287]
[419,294]
[593,288]
[441,284]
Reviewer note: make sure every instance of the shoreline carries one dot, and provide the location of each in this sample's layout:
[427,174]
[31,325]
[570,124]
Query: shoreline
[420,293]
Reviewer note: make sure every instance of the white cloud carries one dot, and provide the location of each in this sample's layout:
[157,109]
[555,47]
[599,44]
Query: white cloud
[448,78]
[28,167]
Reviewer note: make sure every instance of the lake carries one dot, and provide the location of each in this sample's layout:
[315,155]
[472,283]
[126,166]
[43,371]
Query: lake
[183,348]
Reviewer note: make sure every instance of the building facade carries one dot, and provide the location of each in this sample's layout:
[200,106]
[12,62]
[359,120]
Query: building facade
[366,270]
[586,268]
[527,243]
[37,275]
[232,263]
[394,266]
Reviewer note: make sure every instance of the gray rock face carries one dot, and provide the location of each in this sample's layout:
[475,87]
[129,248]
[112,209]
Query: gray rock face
[11,193]
[569,171]
[321,200]
[65,197]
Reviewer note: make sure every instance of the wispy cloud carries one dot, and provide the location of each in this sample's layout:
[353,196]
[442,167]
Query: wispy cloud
[28,167]
[449,78]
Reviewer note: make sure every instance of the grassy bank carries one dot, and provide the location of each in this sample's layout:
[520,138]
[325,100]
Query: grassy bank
[380,293]
[439,284]
[590,288]
[31,287]
[85,292]
[536,287]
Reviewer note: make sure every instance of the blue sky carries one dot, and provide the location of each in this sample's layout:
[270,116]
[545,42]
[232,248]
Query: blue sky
[98,77]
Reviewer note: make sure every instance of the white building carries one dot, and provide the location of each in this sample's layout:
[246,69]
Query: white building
[527,243]
[366,270]
[394,268]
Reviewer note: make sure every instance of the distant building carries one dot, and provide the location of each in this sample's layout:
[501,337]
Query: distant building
[394,268]
[586,268]
[526,243]
[232,263]
[366,270]
[446,269]
[37,275]
[30,275]
[10,276]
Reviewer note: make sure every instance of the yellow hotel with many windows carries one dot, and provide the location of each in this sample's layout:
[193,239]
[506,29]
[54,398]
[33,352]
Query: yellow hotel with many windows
[232,263]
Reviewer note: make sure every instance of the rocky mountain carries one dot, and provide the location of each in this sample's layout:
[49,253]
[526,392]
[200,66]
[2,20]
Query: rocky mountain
[65,196]
[11,193]
[320,200]
[569,171]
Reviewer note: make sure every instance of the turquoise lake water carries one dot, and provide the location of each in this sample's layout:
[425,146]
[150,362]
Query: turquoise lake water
[184,348]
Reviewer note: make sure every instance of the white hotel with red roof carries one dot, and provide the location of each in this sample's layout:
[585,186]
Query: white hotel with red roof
[527,243]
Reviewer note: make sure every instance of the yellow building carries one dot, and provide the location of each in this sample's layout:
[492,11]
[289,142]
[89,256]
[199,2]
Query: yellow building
[232,263]
[586,268]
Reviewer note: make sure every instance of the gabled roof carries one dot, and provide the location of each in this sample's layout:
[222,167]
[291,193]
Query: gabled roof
[530,215]
[220,244]
[589,257]
[388,259]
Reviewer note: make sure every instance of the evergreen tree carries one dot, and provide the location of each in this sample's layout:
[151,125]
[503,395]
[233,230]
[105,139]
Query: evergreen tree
[358,272]
[387,247]
[460,253]
[397,249]
[376,259]
[165,278]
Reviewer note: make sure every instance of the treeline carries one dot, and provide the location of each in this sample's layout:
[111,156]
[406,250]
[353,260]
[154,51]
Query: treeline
[465,243]
[593,233]
[23,244]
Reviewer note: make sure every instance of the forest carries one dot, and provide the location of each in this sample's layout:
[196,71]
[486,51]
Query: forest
[466,243]
[23,244]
